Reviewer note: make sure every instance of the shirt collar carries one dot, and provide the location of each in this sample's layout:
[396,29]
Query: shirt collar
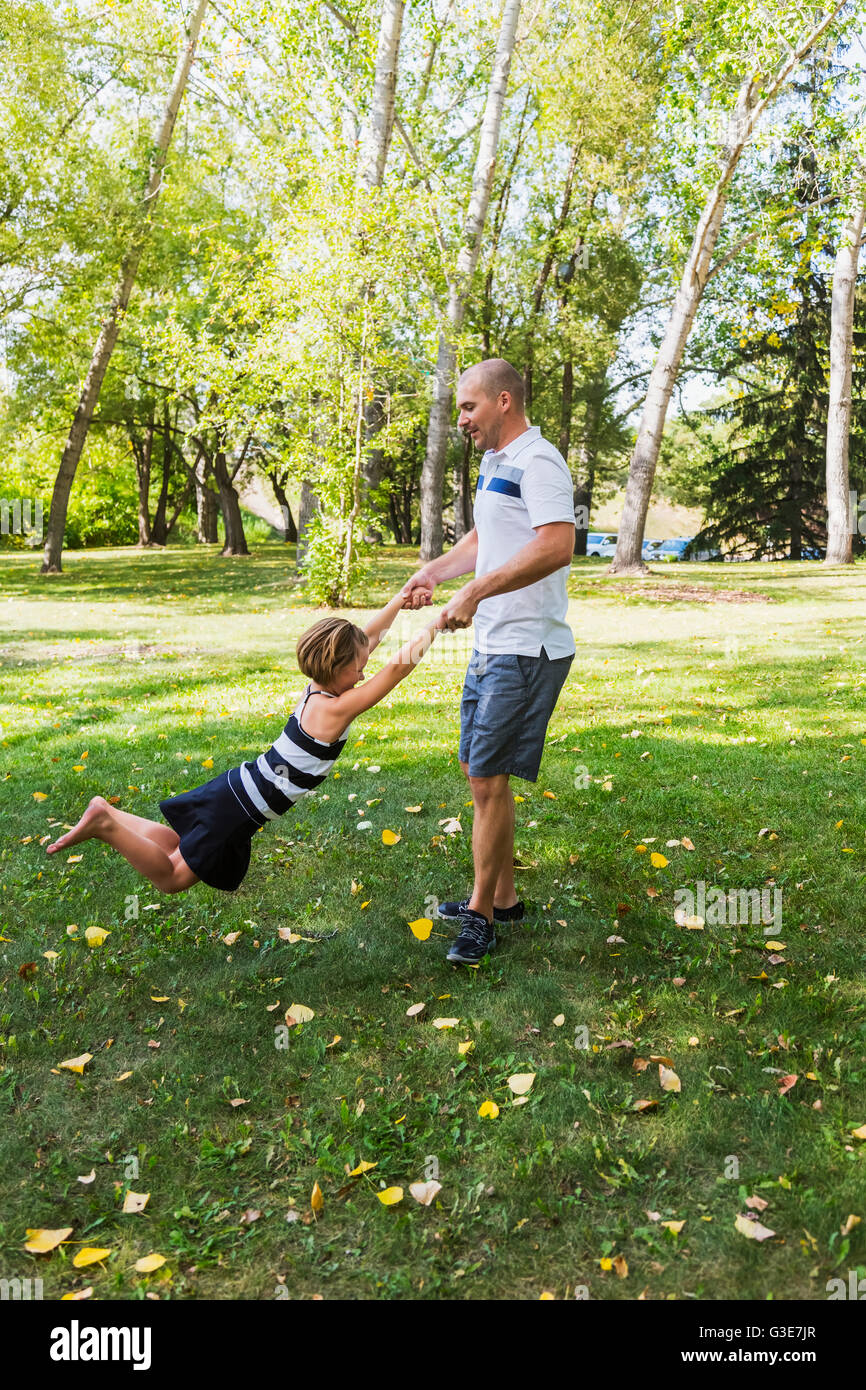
[517,444]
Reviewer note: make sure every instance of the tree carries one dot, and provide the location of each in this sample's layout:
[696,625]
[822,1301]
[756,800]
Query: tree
[459,288]
[120,300]
[839,538]
[755,94]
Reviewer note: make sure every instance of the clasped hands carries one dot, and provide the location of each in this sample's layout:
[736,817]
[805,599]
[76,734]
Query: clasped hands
[458,611]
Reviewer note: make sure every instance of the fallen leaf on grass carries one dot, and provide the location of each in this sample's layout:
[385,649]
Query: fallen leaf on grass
[77,1294]
[390,837]
[787,1082]
[559,1020]
[391,1196]
[669,1079]
[850,1224]
[148,1263]
[658,861]
[414,1010]
[94,936]
[413,810]
[76,1064]
[451,825]
[363,1167]
[88,1177]
[645,1105]
[298,1013]
[859,1133]
[488,1110]
[421,928]
[752,1230]
[424,1192]
[124,1076]
[757,1203]
[231,938]
[465,1047]
[620,1266]
[135,1202]
[521,1082]
[674,1226]
[445,1022]
[317,1201]
[90,1255]
[42,1239]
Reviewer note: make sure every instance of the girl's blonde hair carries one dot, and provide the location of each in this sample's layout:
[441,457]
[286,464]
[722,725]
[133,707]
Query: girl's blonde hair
[328,645]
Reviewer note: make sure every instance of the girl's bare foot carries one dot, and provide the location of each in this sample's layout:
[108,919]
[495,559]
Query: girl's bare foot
[91,822]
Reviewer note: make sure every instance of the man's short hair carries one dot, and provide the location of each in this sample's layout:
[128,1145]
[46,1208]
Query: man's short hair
[495,375]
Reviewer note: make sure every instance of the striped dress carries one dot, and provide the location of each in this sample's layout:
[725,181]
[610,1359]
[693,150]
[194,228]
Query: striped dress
[216,822]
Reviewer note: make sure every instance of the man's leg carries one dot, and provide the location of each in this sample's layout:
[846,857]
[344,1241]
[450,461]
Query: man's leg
[505,891]
[492,838]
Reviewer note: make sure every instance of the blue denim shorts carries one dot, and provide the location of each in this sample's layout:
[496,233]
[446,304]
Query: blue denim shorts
[506,708]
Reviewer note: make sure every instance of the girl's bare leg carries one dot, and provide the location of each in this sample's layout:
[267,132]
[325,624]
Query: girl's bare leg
[166,869]
[151,829]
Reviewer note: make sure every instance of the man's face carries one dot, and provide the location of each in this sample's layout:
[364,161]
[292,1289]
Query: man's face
[480,416]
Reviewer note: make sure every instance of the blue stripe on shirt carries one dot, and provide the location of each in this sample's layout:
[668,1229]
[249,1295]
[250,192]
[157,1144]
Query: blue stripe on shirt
[504,485]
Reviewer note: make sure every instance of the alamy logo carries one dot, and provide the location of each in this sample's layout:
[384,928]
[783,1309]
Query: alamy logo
[24,521]
[76,1343]
[738,907]
[17,1289]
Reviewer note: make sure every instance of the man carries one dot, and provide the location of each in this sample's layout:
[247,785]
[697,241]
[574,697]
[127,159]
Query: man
[520,550]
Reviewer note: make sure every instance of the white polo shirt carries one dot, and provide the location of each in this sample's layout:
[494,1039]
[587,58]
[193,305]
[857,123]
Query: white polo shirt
[525,485]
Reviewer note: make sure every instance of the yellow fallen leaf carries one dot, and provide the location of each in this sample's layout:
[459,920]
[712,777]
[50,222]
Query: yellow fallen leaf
[390,837]
[640,849]
[363,1167]
[465,1047]
[424,1192]
[606,1264]
[135,1202]
[414,1010]
[94,936]
[298,1013]
[546,1297]
[521,1082]
[421,928]
[42,1239]
[366,904]
[76,1064]
[645,1105]
[79,767]
[391,1196]
[89,1255]
[208,762]
[124,1076]
[40,796]
[148,1263]
[488,1110]
[669,1079]
[413,810]
[160,998]
[231,938]
[551,796]
[752,1230]
[620,1266]
[686,842]
[77,1294]
[850,1224]
[286,934]
[859,1133]
[658,861]
[445,1022]
[51,955]
[559,1020]
[317,1201]
[74,858]
[774,946]
[675,1226]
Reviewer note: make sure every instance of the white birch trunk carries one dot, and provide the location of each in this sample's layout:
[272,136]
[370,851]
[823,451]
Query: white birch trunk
[839,534]
[439,424]
[747,112]
[376,138]
[123,289]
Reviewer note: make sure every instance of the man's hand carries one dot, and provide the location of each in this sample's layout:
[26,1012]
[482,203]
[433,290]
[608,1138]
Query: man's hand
[418,592]
[459,610]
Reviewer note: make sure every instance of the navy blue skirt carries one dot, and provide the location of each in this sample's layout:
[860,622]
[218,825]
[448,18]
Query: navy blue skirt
[215,832]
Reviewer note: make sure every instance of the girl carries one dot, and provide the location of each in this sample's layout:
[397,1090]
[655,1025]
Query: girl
[210,828]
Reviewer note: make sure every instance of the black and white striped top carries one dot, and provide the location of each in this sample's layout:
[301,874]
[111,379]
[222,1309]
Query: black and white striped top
[292,766]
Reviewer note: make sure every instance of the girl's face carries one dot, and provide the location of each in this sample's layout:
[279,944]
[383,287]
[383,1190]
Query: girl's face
[347,677]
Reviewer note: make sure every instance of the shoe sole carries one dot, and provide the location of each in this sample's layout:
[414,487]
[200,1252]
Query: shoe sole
[464,960]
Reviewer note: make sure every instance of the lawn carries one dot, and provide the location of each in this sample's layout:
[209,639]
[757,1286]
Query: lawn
[721,706]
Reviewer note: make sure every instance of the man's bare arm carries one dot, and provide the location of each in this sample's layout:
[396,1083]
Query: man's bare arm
[460,559]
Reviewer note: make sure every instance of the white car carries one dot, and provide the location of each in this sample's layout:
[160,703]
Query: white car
[600,546]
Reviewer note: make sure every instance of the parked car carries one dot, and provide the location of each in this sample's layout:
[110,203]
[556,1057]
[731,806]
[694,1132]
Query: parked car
[665,552]
[600,545]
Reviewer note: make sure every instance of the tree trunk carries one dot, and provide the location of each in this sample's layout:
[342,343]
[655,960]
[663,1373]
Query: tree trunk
[160,530]
[290,530]
[544,273]
[462,500]
[839,529]
[142,454]
[585,481]
[117,309]
[439,424]
[309,505]
[235,542]
[375,143]
[205,502]
[748,110]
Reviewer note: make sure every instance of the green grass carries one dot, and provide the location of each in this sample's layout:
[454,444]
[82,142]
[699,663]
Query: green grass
[748,716]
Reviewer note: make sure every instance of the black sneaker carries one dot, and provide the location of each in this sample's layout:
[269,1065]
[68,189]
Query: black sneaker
[476,938]
[452,911]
